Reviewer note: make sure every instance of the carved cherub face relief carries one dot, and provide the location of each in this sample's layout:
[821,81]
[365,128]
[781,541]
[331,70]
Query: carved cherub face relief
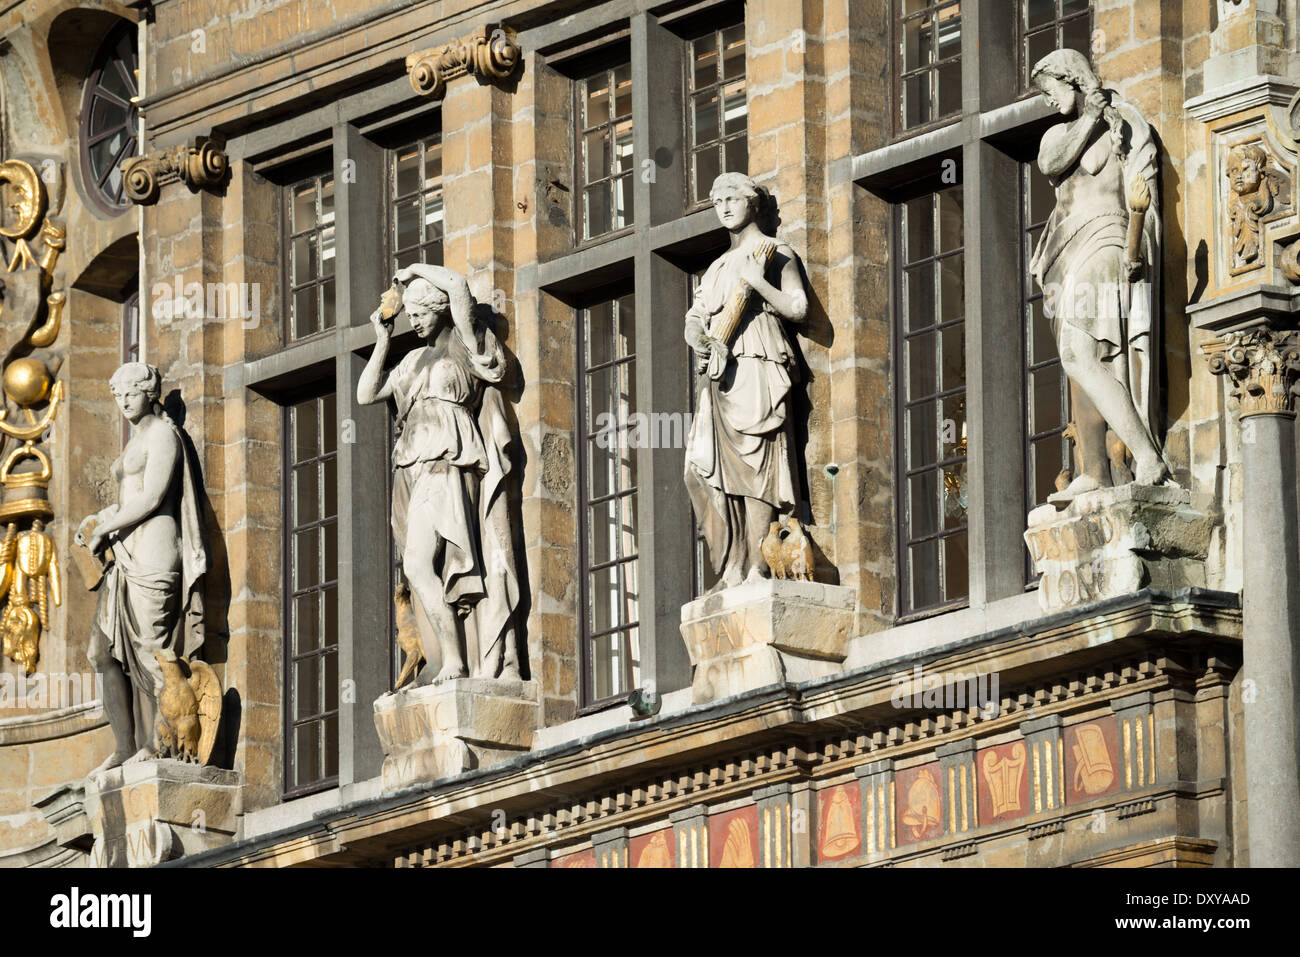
[1246,170]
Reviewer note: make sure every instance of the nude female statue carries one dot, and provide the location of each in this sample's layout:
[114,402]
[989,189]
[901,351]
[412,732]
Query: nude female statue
[1098,263]
[149,597]
[739,470]
[450,463]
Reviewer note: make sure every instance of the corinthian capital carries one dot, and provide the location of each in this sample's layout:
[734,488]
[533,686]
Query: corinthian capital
[200,165]
[1264,365]
[491,55]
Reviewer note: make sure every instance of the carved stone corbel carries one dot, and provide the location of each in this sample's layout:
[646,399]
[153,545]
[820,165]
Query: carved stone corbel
[202,165]
[492,55]
[1264,365]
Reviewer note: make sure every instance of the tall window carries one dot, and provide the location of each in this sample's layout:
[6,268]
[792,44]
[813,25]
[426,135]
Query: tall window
[109,118]
[605,167]
[1047,406]
[309,215]
[1047,25]
[311,581]
[609,498]
[929,60]
[718,112]
[415,197]
[931,338]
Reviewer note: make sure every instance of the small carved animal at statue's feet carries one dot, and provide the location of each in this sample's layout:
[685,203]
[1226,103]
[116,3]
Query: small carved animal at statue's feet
[1150,470]
[1084,483]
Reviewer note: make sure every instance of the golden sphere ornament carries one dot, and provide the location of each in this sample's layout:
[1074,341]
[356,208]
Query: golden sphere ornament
[27,381]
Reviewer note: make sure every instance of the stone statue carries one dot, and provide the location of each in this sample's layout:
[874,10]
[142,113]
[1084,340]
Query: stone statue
[1098,263]
[451,461]
[739,467]
[150,596]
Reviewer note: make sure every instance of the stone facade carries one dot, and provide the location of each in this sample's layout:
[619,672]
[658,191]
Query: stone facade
[1000,728]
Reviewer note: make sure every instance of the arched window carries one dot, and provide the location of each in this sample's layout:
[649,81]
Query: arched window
[109,118]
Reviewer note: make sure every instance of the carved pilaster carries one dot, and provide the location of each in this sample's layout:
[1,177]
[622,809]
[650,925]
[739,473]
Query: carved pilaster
[200,165]
[1264,365]
[492,55]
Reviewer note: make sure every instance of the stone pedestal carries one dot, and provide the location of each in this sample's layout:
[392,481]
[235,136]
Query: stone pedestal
[152,811]
[439,731]
[1116,541]
[766,632]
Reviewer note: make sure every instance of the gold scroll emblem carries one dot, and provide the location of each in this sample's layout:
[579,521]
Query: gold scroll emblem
[1093,772]
[1004,775]
[923,801]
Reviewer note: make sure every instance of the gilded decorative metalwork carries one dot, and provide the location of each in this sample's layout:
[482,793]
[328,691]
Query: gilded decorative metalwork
[30,577]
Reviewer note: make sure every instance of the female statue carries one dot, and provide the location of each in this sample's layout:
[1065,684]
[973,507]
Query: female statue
[1098,263]
[450,462]
[739,470]
[150,598]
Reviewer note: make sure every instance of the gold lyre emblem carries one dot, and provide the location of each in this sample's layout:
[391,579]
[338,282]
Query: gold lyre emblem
[923,800]
[1004,775]
[1093,772]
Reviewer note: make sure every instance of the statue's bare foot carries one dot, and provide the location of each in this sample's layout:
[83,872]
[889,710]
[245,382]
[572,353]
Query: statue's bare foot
[1084,483]
[450,671]
[510,673]
[144,754]
[1150,471]
[116,759]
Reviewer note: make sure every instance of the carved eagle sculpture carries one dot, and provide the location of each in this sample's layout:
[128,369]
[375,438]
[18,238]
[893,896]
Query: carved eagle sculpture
[189,709]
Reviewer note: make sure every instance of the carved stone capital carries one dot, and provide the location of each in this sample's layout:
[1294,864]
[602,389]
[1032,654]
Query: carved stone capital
[202,165]
[1264,365]
[492,55]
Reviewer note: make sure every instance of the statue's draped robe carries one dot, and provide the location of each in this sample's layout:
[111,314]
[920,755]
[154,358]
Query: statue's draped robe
[740,439]
[144,609]
[450,465]
[1082,256]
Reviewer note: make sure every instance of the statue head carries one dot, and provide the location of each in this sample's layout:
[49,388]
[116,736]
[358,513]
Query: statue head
[1247,166]
[736,199]
[426,305]
[1065,77]
[137,387]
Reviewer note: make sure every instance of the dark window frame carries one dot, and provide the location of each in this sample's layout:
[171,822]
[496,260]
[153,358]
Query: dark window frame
[120,37]
[903,475]
[288,284]
[691,94]
[421,196]
[587,636]
[898,77]
[289,721]
[608,62]
[1057,26]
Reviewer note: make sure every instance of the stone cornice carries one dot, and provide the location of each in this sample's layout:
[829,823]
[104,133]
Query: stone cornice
[1264,366]
[786,733]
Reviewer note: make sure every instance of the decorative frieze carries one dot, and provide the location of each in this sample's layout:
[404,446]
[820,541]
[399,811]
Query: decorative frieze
[491,55]
[1263,365]
[202,164]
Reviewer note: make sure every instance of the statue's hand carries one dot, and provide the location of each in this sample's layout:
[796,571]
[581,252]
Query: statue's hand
[751,272]
[403,275]
[1094,104]
[98,542]
[718,350]
[383,327]
[1134,270]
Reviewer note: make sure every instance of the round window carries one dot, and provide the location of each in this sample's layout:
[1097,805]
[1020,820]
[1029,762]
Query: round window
[109,118]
